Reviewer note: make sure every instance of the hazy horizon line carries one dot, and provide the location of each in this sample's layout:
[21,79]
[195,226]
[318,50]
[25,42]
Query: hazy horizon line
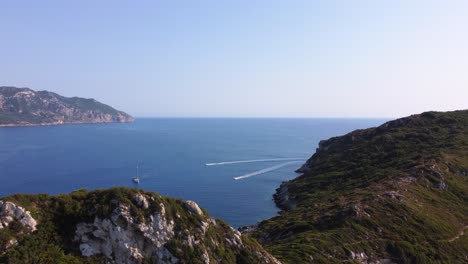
[257,117]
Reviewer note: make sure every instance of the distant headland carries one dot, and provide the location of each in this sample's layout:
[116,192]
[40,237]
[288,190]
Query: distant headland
[26,107]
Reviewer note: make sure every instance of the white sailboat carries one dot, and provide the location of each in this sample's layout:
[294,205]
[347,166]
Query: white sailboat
[136,179]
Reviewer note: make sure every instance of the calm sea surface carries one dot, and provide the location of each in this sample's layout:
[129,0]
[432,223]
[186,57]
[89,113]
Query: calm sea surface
[173,154]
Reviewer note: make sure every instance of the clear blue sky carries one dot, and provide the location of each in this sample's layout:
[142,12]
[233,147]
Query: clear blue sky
[242,58]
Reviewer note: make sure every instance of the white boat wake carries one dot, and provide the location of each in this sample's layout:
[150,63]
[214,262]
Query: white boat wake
[267,170]
[252,161]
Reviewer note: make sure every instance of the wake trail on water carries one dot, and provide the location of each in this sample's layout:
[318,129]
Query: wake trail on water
[267,170]
[252,161]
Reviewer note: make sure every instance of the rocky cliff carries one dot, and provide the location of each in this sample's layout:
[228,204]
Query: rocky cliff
[25,107]
[397,193]
[118,226]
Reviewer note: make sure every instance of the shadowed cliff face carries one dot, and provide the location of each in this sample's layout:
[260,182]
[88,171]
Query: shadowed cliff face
[118,225]
[23,107]
[395,193]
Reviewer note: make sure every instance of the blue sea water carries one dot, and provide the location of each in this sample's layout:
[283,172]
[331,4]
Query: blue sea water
[173,153]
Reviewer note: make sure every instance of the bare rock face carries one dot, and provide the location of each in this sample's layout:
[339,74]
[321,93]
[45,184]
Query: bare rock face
[10,212]
[282,197]
[122,239]
[193,207]
[141,200]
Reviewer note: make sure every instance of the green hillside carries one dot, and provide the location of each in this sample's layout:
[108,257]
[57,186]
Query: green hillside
[396,193]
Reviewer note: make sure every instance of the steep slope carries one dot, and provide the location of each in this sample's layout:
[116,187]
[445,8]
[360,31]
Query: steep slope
[118,225]
[23,107]
[397,193]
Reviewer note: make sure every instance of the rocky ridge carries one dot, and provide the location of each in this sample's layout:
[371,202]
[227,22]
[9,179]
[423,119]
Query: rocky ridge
[125,226]
[26,107]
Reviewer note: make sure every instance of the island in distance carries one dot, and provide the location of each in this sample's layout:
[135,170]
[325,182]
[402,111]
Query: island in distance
[26,107]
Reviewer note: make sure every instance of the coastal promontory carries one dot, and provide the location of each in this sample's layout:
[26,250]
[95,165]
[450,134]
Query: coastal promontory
[397,193]
[26,107]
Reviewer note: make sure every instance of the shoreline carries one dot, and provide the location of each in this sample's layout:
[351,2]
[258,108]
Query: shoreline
[62,123]
[282,202]
[282,199]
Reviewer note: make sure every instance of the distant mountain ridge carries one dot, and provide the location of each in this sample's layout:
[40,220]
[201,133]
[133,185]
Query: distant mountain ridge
[26,107]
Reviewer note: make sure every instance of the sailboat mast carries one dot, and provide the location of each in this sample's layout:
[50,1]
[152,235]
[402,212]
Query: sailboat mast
[136,179]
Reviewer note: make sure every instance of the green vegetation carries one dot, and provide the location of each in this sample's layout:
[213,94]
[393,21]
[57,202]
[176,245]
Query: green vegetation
[23,106]
[397,192]
[59,215]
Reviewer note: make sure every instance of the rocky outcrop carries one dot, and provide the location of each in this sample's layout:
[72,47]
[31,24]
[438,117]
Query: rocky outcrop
[282,198]
[120,238]
[25,107]
[123,239]
[16,218]
[120,226]
[193,207]
[141,201]
[10,212]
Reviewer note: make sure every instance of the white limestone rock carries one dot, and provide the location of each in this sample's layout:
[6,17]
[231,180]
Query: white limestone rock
[10,212]
[205,258]
[193,207]
[141,201]
[123,240]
